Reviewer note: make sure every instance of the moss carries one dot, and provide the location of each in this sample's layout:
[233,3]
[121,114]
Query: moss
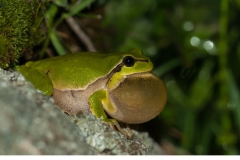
[19,29]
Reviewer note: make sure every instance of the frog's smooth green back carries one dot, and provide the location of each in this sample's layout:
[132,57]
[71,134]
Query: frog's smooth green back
[76,71]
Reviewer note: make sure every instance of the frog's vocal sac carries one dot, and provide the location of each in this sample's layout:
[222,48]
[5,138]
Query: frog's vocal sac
[119,84]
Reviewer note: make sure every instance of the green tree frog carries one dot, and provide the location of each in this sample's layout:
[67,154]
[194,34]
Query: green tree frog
[119,84]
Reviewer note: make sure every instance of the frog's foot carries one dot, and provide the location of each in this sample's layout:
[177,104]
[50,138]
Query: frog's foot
[112,122]
[130,133]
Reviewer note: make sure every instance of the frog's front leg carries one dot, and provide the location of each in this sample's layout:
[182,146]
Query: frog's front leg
[97,100]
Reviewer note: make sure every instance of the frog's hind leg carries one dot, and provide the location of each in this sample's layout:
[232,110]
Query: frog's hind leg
[39,79]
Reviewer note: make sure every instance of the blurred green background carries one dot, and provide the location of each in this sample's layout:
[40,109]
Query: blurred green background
[195,48]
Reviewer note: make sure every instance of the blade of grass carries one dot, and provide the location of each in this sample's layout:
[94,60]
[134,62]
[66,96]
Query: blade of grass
[235,97]
[57,43]
[49,16]
[189,129]
[73,10]
[207,133]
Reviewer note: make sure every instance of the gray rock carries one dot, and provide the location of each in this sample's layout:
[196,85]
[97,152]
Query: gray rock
[32,124]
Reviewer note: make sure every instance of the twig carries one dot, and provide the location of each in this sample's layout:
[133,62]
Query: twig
[80,34]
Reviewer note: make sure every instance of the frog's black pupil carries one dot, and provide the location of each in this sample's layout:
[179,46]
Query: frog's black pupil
[128,61]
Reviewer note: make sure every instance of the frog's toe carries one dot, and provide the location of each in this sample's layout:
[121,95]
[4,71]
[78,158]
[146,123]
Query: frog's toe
[113,123]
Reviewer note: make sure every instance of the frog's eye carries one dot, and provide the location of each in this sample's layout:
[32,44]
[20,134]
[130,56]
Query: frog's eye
[128,61]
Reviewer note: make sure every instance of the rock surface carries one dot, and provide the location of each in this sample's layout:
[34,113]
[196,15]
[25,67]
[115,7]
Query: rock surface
[32,124]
